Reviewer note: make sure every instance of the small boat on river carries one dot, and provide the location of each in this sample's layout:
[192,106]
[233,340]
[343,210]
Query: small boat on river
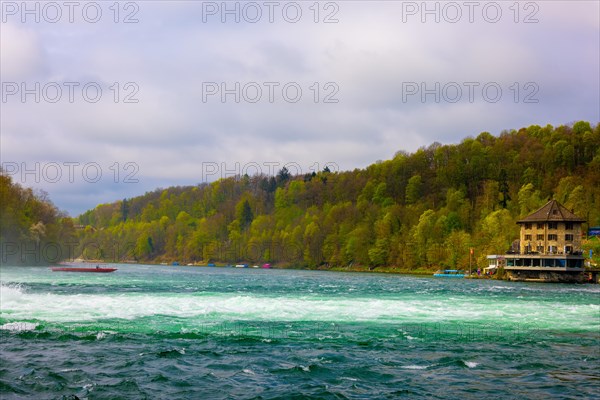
[450,273]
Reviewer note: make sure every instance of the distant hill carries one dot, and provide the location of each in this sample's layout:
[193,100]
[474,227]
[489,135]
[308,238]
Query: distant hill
[418,210]
[32,230]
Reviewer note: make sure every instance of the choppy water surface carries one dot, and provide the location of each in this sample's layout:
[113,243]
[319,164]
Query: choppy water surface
[184,332]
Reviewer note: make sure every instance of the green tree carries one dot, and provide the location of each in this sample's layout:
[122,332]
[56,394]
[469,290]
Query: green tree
[378,254]
[244,214]
[503,188]
[124,210]
[413,189]
[529,199]
[458,245]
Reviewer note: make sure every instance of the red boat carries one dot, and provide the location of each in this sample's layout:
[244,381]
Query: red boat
[77,269]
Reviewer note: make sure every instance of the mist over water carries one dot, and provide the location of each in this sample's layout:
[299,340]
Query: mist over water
[180,332]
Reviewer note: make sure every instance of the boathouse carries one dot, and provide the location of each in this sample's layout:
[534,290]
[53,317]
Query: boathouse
[549,247]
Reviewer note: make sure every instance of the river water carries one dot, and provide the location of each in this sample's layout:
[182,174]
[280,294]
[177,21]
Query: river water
[161,332]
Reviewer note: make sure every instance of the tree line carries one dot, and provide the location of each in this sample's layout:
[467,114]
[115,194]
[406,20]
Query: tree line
[32,229]
[416,211]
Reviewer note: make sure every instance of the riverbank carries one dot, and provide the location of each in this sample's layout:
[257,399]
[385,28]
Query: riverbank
[361,269]
[352,268]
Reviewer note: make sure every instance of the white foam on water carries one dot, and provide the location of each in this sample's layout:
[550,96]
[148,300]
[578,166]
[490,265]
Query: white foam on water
[19,304]
[10,292]
[19,326]
[470,364]
[414,367]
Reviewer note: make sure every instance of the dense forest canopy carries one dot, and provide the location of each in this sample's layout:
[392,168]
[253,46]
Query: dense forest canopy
[32,230]
[417,210]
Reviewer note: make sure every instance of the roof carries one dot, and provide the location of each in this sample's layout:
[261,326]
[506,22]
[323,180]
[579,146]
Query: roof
[551,211]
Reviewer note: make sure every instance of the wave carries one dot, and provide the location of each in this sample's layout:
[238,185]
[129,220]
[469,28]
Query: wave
[19,326]
[20,305]
[10,292]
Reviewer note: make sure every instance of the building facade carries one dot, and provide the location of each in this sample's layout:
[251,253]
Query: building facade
[549,247]
[552,229]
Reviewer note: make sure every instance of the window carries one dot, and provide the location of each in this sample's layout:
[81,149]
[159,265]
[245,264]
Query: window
[552,225]
[540,249]
[568,237]
[569,226]
[569,249]
[528,225]
[540,225]
[552,237]
[539,237]
[527,237]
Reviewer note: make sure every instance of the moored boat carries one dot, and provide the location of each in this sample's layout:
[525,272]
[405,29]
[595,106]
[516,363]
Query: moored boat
[450,273]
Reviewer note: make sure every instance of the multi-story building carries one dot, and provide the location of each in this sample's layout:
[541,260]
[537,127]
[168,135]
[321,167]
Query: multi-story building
[551,230]
[549,247]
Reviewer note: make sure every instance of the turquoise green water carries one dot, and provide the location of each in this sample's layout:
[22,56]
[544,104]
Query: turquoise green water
[183,332]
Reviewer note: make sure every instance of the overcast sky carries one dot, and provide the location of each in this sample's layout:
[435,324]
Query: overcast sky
[103,102]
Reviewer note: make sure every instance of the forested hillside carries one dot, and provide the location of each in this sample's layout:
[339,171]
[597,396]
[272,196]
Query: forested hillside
[32,230]
[417,210]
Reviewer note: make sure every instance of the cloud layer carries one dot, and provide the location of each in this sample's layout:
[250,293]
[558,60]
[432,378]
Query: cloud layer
[347,83]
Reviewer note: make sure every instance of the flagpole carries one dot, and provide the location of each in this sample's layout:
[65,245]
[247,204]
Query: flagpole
[470,257]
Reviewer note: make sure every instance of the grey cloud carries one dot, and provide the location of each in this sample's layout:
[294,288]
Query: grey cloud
[370,54]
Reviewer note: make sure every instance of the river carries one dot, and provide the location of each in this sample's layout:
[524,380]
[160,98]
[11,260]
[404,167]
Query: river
[164,332]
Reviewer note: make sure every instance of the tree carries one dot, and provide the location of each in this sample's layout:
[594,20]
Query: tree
[378,254]
[244,214]
[124,210]
[283,175]
[413,189]
[529,199]
[503,188]
[458,246]
[423,235]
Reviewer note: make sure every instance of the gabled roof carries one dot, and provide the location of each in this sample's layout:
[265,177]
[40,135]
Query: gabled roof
[551,211]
